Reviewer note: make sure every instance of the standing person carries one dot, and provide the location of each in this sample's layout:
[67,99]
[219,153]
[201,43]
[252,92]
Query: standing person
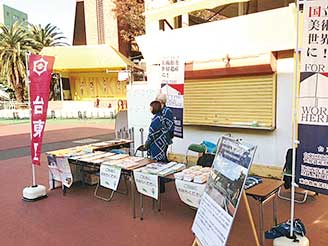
[120,105]
[97,102]
[156,143]
[168,126]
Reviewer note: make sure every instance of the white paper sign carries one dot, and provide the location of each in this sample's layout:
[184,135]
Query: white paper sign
[59,170]
[189,192]
[147,184]
[172,70]
[65,171]
[212,223]
[109,176]
[314,56]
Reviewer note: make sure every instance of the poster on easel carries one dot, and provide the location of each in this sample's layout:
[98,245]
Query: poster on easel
[312,152]
[223,191]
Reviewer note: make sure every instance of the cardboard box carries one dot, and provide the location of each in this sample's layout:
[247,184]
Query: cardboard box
[90,178]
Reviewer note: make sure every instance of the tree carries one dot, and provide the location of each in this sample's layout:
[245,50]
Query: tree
[47,36]
[15,43]
[130,15]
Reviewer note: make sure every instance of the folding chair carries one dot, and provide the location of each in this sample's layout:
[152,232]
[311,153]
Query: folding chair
[110,193]
[287,178]
[198,148]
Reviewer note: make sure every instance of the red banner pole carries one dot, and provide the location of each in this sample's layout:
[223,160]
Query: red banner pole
[29,104]
[38,76]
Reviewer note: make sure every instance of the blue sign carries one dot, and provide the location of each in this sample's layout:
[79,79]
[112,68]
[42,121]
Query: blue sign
[312,158]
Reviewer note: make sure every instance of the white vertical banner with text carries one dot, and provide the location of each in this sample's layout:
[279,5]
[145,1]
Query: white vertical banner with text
[147,184]
[172,84]
[109,176]
[311,171]
[314,54]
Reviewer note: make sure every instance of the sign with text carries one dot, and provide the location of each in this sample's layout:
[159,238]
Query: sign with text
[313,99]
[172,70]
[110,176]
[312,152]
[147,184]
[223,191]
[314,56]
[60,170]
[190,193]
[175,95]
[312,158]
[40,76]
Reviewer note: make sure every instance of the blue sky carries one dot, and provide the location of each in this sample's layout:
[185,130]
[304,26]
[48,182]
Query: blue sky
[57,12]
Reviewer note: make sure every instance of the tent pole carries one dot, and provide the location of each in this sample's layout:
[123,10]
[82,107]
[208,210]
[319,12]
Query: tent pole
[61,88]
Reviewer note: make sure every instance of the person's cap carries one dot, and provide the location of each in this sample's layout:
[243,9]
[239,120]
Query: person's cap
[161,97]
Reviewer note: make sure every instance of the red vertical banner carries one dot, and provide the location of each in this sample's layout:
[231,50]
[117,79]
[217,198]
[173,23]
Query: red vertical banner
[40,75]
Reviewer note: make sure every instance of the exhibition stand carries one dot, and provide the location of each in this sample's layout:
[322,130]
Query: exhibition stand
[144,175]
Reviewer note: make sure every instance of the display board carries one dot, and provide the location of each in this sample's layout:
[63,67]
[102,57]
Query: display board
[139,96]
[312,152]
[223,191]
[59,170]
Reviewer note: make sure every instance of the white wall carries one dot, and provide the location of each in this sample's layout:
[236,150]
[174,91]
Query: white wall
[242,36]
[272,145]
[139,96]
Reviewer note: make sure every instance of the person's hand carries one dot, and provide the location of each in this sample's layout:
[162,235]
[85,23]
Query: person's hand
[143,147]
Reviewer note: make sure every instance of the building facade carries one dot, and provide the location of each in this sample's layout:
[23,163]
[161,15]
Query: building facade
[9,16]
[249,98]
[96,23]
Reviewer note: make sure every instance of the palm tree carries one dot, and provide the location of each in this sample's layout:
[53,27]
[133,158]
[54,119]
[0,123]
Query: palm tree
[15,43]
[46,36]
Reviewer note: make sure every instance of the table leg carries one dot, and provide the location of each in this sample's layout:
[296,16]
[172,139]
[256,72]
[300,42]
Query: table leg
[159,194]
[64,189]
[133,205]
[159,202]
[141,206]
[82,175]
[261,225]
[275,216]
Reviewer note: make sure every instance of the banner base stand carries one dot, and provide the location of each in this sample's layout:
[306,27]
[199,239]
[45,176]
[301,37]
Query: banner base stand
[34,193]
[284,241]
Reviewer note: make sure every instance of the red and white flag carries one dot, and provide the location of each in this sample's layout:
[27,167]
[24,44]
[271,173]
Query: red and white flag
[40,76]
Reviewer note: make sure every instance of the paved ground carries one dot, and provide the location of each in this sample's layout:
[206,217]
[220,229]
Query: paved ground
[80,219]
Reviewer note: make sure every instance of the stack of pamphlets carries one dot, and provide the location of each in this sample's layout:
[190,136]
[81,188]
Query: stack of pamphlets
[195,174]
[97,158]
[100,144]
[162,169]
[84,156]
[126,163]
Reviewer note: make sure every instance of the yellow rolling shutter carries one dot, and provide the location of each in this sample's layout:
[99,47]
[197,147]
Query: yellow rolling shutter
[247,101]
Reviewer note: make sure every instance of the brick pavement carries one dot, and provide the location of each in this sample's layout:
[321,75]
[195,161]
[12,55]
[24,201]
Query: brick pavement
[80,219]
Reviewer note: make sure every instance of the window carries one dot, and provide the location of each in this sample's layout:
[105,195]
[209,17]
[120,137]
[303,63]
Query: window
[243,102]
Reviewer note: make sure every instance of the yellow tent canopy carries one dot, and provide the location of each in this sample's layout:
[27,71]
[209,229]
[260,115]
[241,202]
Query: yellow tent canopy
[87,58]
